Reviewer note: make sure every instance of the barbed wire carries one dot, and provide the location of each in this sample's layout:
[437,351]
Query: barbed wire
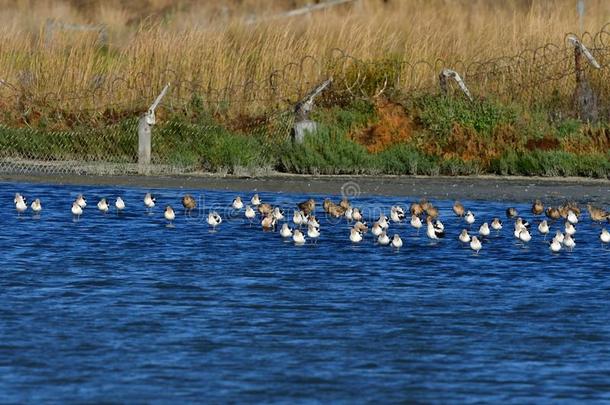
[530,76]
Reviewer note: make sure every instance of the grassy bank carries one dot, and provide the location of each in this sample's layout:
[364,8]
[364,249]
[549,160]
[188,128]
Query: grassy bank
[428,135]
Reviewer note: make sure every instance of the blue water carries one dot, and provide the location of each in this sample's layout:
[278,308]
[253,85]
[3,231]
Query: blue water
[124,309]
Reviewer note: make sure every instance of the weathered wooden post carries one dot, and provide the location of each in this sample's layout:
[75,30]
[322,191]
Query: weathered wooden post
[452,74]
[147,120]
[585,101]
[302,123]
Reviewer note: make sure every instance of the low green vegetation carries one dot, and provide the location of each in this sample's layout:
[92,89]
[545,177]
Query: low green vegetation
[420,135]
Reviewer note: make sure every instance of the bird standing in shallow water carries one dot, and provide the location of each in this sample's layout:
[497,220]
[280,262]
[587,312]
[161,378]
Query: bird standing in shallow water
[214,220]
[313,232]
[36,206]
[475,244]
[119,204]
[20,204]
[169,214]
[511,212]
[469,218]
[307,207]
[496,224]
[537,207]
[555,245]
[396,241]
[458,209]
[189,203]
[416,223]
[570,229]
[77,211]
[81,201]
[102,205]
[355,236]
[285,231]
[543,228]
[464,237]
[255,200]
[484,229]
[149,201]
[237,203]
[569,242]
[298,237]
[383,239]
[433,232]
[250,214]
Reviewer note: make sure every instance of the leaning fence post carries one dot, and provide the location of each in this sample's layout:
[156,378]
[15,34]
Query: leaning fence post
[302,123]
[585,101]
[452,74]
[145,124]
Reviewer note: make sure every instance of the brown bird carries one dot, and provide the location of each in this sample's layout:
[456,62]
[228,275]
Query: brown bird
[537,207]
[511,212]
[361,227]
[307,206]
[345,204]
[189,203]
[567,207]
[268,222]
[598,214]
[458,208]
[431,211]
[327,204]
[336,211]
[416,209]
[553,213]
[265,208]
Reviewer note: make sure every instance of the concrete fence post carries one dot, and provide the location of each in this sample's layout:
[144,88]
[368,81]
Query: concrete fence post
[145,124]
[585,101]
[303,124]
[452,74]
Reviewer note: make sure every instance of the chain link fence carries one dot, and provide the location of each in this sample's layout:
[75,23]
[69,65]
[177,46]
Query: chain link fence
[94,129]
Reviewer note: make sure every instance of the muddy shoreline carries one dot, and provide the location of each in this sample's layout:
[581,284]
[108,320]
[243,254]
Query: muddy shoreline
[493,188]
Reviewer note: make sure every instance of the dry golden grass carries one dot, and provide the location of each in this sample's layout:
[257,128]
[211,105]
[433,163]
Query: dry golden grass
[214,46]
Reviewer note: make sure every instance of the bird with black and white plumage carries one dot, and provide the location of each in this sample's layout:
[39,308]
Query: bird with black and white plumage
[396,241]
[103,206]
[543,228]
[383,239]
[149,201]
[432,231]
[555,245]
[119,204]
[237,203]
[484,230]
[285,231]
[496,224]
[76,210]
[81,201]
[36,206]
[511,212]
[397,214]
[475,244]
[469,218]
[376,230]
[416,222]
[255,200]
[250,214]
[298,237]
[569,242]
[604,236]
[464,237]
[355,236]
[169,214]
[313,232]
[20,204]
[214,219]
[570,229]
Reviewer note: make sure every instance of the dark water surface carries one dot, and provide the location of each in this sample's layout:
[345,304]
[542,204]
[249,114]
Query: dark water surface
[124,309]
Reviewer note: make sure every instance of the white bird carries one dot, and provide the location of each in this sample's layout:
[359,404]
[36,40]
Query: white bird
[383,222]
[416,222]
[298,237]
[255,200]
[524,235]
[149,201]
[475,244]
[237,203]
[464,237]
[298,219]
[214,219]
[572,218]
[396,241]
[469,218]
[36,206]
[555,245]
[559,236]
[569,242]
[376,230]
[432,231]
[119,204]
[357,215]
[484,229]
[604,236]
[397,214]
[277,214]
[250,213]
[169,214]
[570,229]
[543,227]
[81,201]
[77,210]
[383,239]
[313,232]
[355,236]
[102,205]
[285,231]
[20,204]
[496,224]
[311,220]
[18,196]
[349,214]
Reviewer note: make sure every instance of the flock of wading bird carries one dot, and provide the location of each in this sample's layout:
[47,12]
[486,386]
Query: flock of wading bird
[422,212]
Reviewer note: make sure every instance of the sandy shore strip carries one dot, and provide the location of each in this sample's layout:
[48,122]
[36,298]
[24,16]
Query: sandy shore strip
[493,188]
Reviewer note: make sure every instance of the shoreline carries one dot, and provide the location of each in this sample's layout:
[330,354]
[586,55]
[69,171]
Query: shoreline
[485,187]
